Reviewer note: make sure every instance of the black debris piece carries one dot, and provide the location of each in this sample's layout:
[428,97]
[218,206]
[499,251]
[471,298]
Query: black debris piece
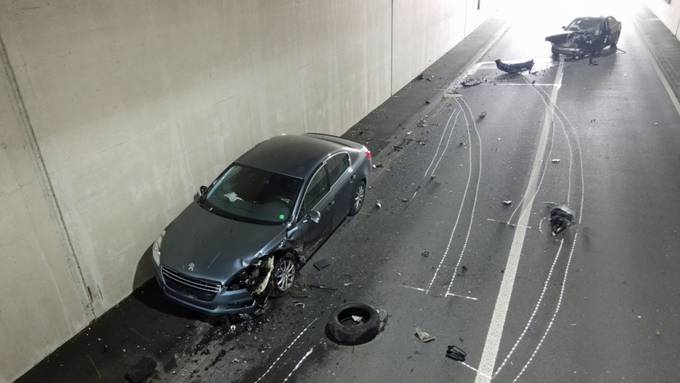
[482,115]
[322,264]
[463,269]
[514,66]
[144,368]
[425,254]
[456,353]
[421,76]
[561,217]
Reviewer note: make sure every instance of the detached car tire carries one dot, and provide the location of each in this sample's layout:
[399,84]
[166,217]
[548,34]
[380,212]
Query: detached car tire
[343,329]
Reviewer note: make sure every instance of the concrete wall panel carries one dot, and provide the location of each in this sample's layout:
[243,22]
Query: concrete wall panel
[43,298]
[133,105]
[669,14]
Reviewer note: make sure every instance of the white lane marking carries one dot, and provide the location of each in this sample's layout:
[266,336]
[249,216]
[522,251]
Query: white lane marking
[455,225]
[506,223]
[479,176]
[560,120]
[415,288]
[540,182]
[461,296]
[448,141]
[516,84]
[495,332]
[299,363]
[557,309]
[655,63]
[533,313]
[475,370]
[440,142]
[570,126]
[285,351]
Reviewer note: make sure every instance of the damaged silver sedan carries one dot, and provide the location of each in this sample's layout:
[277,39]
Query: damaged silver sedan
[246,235]
[586,36]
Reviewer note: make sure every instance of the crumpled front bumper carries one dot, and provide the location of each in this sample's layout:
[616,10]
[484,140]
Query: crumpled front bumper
[226,302]
[566,50]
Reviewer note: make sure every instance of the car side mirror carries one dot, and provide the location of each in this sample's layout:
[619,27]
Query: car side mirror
[314,216]
[201,193]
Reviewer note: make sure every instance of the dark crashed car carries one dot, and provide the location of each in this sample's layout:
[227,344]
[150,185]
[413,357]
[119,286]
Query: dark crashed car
[586,36]
[246,235]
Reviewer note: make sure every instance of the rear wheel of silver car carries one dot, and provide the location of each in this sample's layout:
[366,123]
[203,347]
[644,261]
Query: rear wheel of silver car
[358,198]
[283,276]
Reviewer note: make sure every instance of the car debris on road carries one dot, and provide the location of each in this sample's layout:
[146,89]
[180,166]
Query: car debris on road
[507,202]
[423,336]
[561,217]
[513,67]
[470,81]
[456,353]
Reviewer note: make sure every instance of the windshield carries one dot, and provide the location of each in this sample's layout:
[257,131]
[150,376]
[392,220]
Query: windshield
[591,25]
[253,195]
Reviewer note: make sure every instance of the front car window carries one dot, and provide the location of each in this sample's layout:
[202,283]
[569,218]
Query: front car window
[253,195]
[317,189]
[590,25]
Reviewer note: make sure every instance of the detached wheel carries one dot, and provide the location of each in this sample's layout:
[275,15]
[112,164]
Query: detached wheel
[283,276]
[358,198]
[353,324]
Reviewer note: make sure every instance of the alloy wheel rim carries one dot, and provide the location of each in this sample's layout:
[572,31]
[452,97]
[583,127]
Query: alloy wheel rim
[285,275]
[359,197]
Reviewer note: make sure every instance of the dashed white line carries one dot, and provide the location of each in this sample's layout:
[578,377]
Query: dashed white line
[557,309]
[497,324]
[474,200]
[448,141]
[533,313]
[285,350]
[299,363]
[440,142]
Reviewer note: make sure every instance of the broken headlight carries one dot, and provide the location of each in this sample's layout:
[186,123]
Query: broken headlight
[156,249]
[247,278]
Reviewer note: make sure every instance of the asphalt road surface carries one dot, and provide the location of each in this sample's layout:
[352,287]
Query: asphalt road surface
[597,303]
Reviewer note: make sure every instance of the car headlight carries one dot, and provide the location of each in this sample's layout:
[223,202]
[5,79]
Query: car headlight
[156,249]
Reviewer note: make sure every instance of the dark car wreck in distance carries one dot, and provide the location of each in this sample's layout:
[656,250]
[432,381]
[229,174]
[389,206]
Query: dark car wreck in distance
[586,36]
[246,235]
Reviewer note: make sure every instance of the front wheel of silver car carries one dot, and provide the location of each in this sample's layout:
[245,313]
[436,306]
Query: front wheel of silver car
[358,198]
[283,276]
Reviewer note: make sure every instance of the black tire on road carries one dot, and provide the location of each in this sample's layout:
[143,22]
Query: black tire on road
[284,274]
[343,329]
[358,198]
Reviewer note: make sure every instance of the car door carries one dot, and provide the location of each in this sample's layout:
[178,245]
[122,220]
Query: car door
[317,198]
[341,178]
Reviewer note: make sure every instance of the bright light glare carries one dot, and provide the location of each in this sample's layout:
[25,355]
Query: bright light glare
[523,12]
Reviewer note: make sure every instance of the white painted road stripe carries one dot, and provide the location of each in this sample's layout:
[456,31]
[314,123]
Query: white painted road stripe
[495,332]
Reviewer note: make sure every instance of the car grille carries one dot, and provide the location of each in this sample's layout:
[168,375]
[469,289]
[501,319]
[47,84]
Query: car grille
[193,287]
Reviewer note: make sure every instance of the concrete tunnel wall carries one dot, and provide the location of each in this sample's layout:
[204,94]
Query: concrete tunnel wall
[113,113]
[668,13]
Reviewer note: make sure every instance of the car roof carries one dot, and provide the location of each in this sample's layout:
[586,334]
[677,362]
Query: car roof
[292,155]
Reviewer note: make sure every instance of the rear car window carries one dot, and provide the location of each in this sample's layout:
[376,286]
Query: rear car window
[318,187]
[337,165]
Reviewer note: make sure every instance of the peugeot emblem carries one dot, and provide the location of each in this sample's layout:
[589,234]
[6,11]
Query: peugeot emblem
[191,266]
